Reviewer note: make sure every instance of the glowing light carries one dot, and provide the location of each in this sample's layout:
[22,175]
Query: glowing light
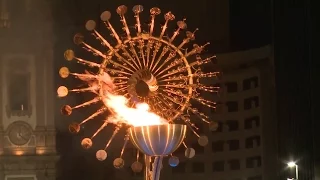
[291,164]
[140,116]
[19,152]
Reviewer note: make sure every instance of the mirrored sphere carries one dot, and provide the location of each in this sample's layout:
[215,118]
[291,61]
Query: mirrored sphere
[68,55]
[66,110]
[174,161]
[64,72]
[203,140]
[74,128]
[190,35]
[213,126]
[118,163]
[190,153]
[155,11]
[121,10]
[90,25]
[169,16]
[136,167]
[86,143]
[78,39]
[62,91]
[105,16]
[137,9]
[182,25]
[101,155]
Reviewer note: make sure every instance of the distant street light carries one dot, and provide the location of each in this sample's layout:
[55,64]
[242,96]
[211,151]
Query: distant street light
[292,164]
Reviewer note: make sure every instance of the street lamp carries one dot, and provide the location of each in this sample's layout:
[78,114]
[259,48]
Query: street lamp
[292,164]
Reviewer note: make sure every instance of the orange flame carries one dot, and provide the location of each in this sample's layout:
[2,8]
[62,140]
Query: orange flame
[139,116]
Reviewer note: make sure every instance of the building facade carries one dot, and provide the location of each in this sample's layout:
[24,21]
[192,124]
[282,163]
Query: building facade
[27,130]
[244,145]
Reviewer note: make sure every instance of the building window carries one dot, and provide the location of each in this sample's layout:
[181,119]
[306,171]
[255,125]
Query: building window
[252,122]
[250,103]
[234,164]
[18,80]
[217,146]
[198,167]
[234,145]
[218,166]
[19,91]
[255,178]
[232,106]
[181,168]
[252,142]
[233,125]
[253,162]
[198,148]
[250,83]
[231,87]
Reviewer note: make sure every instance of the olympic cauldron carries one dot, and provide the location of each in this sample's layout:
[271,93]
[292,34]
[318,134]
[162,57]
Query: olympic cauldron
[157,141]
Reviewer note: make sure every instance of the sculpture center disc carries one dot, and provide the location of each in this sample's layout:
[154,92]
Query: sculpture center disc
[142,88]
[142,83]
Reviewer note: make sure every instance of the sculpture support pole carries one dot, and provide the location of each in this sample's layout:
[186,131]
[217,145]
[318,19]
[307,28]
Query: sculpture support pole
[147,167]
[156,169]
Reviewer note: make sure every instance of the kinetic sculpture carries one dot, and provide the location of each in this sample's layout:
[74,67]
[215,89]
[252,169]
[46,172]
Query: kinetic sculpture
[145,83]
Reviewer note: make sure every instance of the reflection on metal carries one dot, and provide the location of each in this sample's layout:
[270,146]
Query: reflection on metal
[159,140]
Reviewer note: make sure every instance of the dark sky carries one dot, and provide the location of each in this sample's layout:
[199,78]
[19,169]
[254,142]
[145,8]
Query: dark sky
[249,21]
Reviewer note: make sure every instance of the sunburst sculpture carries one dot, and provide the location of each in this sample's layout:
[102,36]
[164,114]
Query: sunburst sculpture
[146,67]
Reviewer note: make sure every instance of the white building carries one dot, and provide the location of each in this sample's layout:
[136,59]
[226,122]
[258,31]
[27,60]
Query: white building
[27,130]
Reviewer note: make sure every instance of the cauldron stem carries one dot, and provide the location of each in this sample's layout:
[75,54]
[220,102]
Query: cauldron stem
[156,168]
[147,174]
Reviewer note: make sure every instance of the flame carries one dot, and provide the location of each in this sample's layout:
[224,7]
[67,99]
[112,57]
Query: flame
[139,116]
[121,112]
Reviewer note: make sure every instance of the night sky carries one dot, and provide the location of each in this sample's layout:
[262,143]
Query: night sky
[250,24]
